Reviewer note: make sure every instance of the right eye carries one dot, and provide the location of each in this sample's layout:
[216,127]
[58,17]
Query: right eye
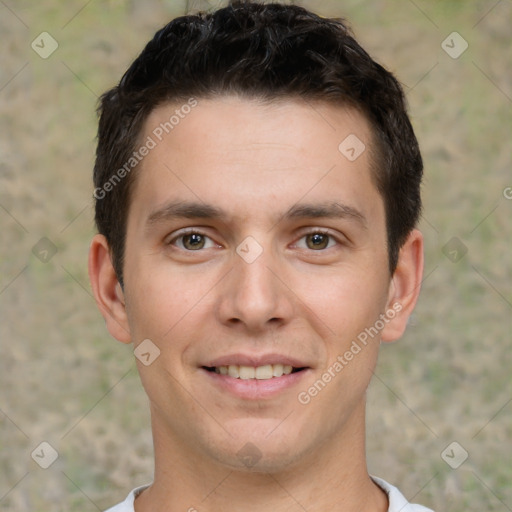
[192,241]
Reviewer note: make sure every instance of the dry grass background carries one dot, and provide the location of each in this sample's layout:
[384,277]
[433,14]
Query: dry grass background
[64,381]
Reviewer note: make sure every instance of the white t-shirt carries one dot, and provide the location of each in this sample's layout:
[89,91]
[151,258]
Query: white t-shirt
[397,501]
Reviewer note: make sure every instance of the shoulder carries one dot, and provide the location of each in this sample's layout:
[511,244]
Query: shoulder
[397,501]
[127,504]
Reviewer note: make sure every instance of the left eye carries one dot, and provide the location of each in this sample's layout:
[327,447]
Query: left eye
[193,242]
[317,241]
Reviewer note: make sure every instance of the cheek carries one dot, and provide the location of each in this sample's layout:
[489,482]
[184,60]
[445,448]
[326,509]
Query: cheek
[347,300]
[153,304]
[163,301]
[349,309]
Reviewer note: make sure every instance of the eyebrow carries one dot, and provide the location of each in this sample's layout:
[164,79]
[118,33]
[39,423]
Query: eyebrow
[330,210]
[197,210]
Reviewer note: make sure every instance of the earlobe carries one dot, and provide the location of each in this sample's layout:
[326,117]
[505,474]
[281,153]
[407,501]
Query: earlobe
[107,290]
[405,286]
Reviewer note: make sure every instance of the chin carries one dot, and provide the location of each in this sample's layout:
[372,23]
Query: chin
[261,452]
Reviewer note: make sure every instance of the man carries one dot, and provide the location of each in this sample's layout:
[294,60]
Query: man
[257,190]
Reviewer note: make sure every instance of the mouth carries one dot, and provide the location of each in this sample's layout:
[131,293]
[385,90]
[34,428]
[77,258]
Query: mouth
[264,372]
[255,378]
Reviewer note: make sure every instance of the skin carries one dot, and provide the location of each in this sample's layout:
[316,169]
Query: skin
[256,162]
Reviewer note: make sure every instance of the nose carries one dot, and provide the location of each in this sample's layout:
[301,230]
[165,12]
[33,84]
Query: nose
[254,296]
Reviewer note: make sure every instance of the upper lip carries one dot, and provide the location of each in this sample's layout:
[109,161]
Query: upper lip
[256,360]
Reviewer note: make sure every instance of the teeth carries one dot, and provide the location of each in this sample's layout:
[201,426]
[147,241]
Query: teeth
[265,372]
[246,372]
[277,370]
[287,369]
[233,371]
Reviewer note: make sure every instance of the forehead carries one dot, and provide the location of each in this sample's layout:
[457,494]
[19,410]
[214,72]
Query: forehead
[255,157]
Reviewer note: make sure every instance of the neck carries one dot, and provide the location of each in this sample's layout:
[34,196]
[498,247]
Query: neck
[333,477]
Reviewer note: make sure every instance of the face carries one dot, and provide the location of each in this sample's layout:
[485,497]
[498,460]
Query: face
[256,248]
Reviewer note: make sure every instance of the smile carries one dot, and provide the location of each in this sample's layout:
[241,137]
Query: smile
[259,382]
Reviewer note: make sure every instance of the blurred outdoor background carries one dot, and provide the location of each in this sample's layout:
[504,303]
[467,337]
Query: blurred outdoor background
[64,381]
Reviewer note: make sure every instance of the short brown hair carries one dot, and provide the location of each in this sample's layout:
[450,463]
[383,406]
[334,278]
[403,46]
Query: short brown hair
[268,51]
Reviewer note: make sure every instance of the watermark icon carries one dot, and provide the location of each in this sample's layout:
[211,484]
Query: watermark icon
[146,352]
[454,249]
[45,455]
[454,45]
[249,455]
[507,192]
[344,359]
[249,249]
[44,250]
[454,455]
[351,147]
[44,45]
[151,142]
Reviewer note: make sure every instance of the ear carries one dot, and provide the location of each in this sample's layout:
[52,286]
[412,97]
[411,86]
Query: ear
[107,290]
[404,287]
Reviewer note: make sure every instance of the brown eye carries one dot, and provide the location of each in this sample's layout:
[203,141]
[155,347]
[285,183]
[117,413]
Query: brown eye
[193,242]
[317,241]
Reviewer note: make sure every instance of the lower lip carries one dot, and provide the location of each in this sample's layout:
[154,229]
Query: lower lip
[255,389]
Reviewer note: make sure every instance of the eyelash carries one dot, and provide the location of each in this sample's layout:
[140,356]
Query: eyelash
[304,235]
